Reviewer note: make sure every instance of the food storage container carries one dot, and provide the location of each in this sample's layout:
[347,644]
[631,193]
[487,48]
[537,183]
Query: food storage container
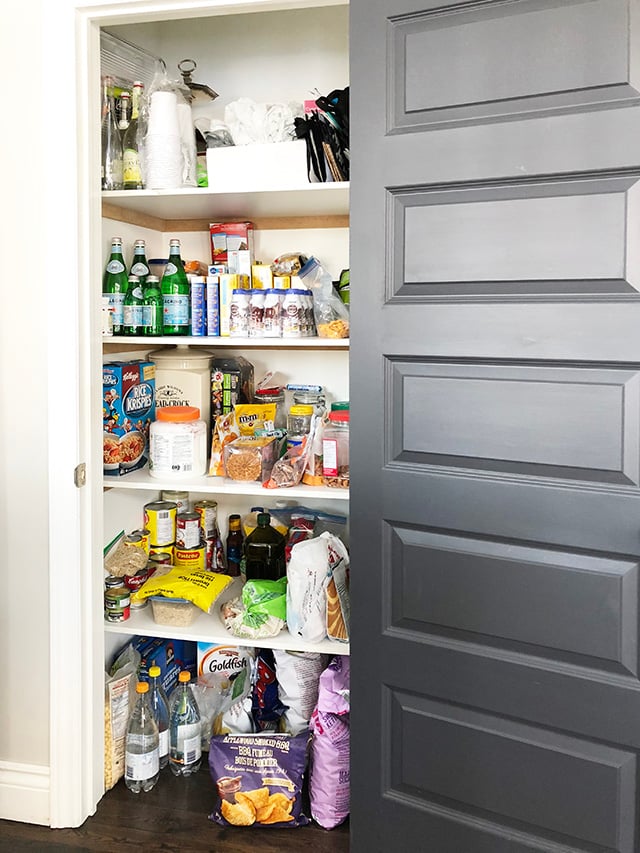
[173,611]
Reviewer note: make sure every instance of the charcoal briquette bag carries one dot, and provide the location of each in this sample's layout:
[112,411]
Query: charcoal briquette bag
[259,779]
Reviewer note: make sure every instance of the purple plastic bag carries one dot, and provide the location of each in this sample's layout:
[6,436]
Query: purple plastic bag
[329,766]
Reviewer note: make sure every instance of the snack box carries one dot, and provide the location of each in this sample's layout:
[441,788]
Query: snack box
[232,381]
[128,407]
[170,655]
[229,236]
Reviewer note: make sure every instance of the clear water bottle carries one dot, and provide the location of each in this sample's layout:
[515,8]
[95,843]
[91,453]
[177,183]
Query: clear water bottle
[185,748]
[160,708]
[142,762]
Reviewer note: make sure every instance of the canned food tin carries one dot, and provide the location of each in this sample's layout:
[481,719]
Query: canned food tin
[160,521]
[111,582]
[190,558]
[139,604]
[179,498]
[135,581]
[144,538]
[117,598]
[188,530]
[166,553]
[118,615]
[208,512]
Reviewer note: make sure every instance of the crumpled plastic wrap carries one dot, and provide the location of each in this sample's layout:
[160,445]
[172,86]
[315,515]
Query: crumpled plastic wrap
[251,122]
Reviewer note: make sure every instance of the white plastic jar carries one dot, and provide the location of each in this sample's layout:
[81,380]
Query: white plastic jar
[177,444]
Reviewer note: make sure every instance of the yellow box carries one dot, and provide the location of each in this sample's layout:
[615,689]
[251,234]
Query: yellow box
[261,276]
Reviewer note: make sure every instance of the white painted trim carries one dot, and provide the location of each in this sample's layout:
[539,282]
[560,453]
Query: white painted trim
[24,792]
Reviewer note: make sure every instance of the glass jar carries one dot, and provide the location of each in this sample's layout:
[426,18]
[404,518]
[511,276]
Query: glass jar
[335,450]
[273,395]
[311,398]
[298,424]
[178,443]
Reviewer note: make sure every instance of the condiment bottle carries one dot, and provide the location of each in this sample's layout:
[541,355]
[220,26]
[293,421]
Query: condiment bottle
[264,555]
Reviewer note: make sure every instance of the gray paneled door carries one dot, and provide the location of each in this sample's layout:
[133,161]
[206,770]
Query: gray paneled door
[495,430]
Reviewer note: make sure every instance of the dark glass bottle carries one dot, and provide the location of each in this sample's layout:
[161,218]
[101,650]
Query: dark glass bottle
[152,307]
[115,284]
[234,546]
[132,308]
[175,294]
[264,557]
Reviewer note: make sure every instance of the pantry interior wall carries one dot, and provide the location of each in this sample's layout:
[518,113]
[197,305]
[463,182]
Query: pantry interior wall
[49,361]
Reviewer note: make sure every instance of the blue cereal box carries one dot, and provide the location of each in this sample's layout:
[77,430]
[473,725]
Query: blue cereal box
[170,655]
[128,407]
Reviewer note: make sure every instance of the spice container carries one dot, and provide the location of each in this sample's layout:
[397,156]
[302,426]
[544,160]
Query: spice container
[273,395]
[335,450]
[178,443]
[173,611]
[298,424]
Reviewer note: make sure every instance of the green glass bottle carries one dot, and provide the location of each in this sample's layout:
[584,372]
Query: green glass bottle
[131,167]
[152,307]
[139,265]
[132,308]
[175,294]
[115,284]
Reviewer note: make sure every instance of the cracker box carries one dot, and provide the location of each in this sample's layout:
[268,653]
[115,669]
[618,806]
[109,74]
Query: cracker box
[128,407]
[170,655]
[230,236]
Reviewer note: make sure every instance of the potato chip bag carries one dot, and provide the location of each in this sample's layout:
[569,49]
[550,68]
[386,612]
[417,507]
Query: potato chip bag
[259,779]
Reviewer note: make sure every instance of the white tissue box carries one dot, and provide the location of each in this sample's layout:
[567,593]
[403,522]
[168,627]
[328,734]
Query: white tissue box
[260,167]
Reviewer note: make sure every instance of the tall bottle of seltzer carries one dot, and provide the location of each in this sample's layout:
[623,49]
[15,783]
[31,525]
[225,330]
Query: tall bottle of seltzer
[175,294]
[132,310]
[115,284]
[139,264]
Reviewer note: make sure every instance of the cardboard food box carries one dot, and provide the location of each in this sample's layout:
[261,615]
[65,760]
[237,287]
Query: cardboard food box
[170,655]
[259,167]
[232,381]
[128,407]
[228,237]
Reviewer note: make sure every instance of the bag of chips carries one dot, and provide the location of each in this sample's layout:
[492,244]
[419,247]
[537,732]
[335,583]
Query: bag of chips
[259,779]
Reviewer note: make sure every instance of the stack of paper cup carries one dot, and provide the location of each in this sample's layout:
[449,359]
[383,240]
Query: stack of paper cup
[163,154]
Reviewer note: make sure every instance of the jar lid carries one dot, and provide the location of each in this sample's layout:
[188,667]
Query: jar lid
[269,392]
[301,410]
[340,406]
[178,414]
[339,416]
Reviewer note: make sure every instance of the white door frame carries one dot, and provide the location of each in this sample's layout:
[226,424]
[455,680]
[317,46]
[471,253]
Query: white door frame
[71,45]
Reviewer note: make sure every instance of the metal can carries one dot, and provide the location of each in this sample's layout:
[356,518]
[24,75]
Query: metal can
[166,551]
[111,582]
[159,558]
[208,512]
[179,498]
[117,604]
[134,582]
[188,530]
[160,521]
[144,538]
[190,558]
[118,615]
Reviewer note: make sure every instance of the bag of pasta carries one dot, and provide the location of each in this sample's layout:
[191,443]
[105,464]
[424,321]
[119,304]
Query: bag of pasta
[329,311]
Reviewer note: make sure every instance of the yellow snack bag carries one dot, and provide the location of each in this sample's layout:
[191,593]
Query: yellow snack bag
[251,416]
[196,585]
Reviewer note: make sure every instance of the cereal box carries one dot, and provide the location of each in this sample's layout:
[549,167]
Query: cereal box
[128,407]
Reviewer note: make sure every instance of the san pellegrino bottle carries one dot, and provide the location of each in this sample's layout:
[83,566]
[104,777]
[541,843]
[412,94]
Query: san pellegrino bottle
[185,750]
[132,308]
[111,166]
[142,760]
[139,265]
[131,160]
[115,284]
[175,294]
[160,708]
[152,307]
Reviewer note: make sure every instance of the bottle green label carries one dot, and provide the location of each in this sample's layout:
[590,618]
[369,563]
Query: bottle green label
[139,269]
[115,266]
[170,269]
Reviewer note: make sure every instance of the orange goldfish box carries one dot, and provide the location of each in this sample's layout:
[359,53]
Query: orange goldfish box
[128,407]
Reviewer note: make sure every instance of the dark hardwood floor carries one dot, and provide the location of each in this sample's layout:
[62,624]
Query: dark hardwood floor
[173,818]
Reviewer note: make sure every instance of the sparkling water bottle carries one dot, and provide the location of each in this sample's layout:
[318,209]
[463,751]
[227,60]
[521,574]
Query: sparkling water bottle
[184,729]
[160,708]
[142,762]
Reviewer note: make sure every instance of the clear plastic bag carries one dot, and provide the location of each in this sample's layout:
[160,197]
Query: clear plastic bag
[330,312]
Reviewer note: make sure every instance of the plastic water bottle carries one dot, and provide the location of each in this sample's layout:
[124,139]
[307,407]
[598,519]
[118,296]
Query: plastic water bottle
[185,748]
[160,709]
[142,761]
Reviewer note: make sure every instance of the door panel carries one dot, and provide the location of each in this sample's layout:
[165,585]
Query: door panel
[495,427]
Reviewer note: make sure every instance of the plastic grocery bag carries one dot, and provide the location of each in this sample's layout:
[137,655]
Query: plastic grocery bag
[330,312]
[260,612]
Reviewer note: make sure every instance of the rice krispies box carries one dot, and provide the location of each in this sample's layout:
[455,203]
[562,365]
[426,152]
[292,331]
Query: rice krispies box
[128,407]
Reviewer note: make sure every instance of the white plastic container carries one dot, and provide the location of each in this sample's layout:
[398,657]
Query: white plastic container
[177,444]
[183,378]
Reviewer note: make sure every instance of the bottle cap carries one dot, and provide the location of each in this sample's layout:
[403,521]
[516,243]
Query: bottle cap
[301,410]
[184,677]
[178,414]
[154,671]
[341,416]
[340,406]
[264,519]
[142,687]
